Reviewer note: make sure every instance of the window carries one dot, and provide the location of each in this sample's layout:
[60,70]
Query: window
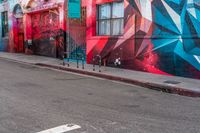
[110,19]
[4,18]
[1,1]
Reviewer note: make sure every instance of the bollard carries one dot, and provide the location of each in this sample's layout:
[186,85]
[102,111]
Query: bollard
[63,60]
[93,63]
[68,62]
[83,63]
[77,61]
[99,63]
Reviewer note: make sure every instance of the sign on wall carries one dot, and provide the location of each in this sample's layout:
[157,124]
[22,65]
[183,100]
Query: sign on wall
[74,8]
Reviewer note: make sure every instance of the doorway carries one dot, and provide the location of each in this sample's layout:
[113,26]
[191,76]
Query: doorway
[20,36]
[19,30]
[21,48]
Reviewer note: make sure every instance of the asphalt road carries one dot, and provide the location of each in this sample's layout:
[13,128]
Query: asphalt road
[34,99]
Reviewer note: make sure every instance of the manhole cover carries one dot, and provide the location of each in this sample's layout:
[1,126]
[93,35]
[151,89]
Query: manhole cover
[172,82]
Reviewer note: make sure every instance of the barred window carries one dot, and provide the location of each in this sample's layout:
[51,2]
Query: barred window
[4,18]
[110,19]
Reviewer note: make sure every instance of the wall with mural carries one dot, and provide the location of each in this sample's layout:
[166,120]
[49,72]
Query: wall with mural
[40,27]
[45,27]
[76,43]
[7,42]
[160,36]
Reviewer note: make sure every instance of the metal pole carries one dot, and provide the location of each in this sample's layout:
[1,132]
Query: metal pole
[63,60]
[83,62]
[68,33]
[93,63]
[99,63]
[77,61]
[67,61]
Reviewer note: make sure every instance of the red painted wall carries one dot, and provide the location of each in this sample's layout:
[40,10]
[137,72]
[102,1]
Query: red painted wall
[124,47]
[45,27]
[160,36]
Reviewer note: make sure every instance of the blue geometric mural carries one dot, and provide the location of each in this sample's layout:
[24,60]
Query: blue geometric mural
[174,32]
[177,25]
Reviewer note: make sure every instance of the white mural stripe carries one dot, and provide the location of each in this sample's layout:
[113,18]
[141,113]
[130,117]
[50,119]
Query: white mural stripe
[197,58]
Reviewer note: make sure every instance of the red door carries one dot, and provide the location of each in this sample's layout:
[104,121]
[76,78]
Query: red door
[20,36]
[21,42]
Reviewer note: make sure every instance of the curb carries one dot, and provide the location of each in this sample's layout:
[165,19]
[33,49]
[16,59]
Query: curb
[153,86]
[13,60]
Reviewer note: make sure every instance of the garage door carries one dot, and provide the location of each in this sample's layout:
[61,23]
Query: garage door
[45,26]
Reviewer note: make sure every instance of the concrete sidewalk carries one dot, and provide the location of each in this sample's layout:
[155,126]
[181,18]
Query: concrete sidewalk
[170,84]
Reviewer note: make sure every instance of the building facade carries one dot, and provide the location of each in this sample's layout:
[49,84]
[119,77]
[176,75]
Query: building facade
[6,15]
[156,36]
[40,27]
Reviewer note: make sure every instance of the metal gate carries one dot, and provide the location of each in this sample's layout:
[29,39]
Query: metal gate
[76,37]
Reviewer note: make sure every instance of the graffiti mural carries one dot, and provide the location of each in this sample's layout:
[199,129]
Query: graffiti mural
[39,27]
[4,25]
[45,26]
[49,29]
[14,39]
[76,37]
[160,36]
[18,29]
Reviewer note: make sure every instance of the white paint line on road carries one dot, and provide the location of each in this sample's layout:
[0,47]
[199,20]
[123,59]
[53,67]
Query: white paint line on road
[62,129]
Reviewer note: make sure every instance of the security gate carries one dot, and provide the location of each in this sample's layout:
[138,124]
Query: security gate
[76,37]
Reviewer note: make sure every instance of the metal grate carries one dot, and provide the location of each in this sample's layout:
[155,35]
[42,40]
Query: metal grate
[172,82]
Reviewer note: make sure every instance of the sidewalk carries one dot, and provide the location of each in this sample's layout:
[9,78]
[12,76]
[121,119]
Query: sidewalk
[170,84]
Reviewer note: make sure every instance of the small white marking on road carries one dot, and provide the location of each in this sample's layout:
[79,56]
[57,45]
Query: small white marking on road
[62,129]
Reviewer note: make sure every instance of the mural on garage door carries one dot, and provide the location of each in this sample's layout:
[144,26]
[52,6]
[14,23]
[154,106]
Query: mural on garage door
[39,27]
[48,29]
[160,36]
[45,26]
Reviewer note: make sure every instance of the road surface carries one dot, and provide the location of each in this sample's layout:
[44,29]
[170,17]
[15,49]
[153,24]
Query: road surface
[33,99]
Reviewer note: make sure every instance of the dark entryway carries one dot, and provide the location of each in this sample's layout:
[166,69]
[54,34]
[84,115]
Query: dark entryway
[20,46]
